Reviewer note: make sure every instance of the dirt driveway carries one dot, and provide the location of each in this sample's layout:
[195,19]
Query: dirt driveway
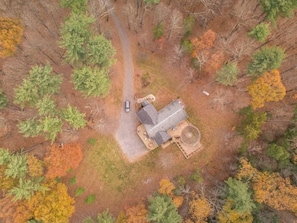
[126,136]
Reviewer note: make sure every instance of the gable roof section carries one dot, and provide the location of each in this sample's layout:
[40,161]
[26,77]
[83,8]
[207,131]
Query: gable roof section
[148,115]
[161,137]
[167,118]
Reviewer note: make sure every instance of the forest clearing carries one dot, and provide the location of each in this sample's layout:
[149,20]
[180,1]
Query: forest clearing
[63,85]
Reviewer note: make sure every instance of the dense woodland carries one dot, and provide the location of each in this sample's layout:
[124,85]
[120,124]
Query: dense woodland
[56,57]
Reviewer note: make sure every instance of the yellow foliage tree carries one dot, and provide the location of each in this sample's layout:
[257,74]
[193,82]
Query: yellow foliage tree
[54,206]
[275,191]
[35,166]
[6,183]
[136,214]
[166,187]
[199,210]
[270,188]
[268,87]
[11,32]
[246,170]
[230,215]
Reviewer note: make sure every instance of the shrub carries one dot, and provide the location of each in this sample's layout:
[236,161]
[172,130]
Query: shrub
[3,99]
[92,141]
[158,31]
[72,180]
[79,191]
[277,152]
[251,123]
[90,199]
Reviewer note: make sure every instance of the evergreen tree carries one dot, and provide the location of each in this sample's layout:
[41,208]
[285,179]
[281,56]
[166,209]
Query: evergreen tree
[50,127]
[91,81]
[260,32]
[105,217]
[29,128]
[100,51]
[77,6]
[162,210]
[265,59]
[75,33]
[17,166]
[74,117]
[227,75]
[47,106]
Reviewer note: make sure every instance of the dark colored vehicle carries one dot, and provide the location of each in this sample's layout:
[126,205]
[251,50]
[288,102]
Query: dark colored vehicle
[127,106]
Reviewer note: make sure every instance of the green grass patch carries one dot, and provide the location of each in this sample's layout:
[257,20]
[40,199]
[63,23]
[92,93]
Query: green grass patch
[72,180]
[79,191]
[105,157]
[90,199]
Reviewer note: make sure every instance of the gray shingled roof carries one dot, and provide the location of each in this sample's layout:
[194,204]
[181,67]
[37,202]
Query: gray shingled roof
[156,123]
[161,137]
[148,115]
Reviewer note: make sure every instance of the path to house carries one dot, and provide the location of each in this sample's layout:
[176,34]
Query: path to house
[126,136]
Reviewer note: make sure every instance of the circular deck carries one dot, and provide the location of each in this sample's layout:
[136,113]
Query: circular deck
[190,135]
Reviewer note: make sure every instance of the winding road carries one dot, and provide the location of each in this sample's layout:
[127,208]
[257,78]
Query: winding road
[131,145]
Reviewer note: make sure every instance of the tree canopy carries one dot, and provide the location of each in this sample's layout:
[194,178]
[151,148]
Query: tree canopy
[265,59]
[162,210]
[227,75]
[276,8]
[41,81]
[75,33]
[11,33]
[91,81]
[61,159]
[265,88]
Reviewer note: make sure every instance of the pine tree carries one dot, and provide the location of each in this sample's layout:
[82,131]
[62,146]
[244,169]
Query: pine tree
[73,117]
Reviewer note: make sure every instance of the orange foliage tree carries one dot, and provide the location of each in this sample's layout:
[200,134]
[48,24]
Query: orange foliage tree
[136,214]
[199,210]
[53,206]
[16,212]
[211,62]
[60,159]
[267,87]
[11,32]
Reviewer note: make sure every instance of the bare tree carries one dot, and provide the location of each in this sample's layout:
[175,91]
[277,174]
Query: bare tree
[175,24]
[100,9]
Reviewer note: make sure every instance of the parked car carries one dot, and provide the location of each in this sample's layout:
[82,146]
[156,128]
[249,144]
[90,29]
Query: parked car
[127,105]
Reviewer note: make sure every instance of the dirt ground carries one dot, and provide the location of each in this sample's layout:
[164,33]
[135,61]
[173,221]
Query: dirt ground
[215,114]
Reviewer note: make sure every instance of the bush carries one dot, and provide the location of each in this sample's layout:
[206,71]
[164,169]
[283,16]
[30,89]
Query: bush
[90,199]
[264,60]
[3,99]
[189,23]
[260,32]
[227,75]
[92,141]
[187,46]
[79,191]
[277,152]
[158,31]
[251,123]
[196,176]
[72,180]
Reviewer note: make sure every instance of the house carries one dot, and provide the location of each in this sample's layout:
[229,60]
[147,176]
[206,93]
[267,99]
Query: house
[157,123]
[169,125]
